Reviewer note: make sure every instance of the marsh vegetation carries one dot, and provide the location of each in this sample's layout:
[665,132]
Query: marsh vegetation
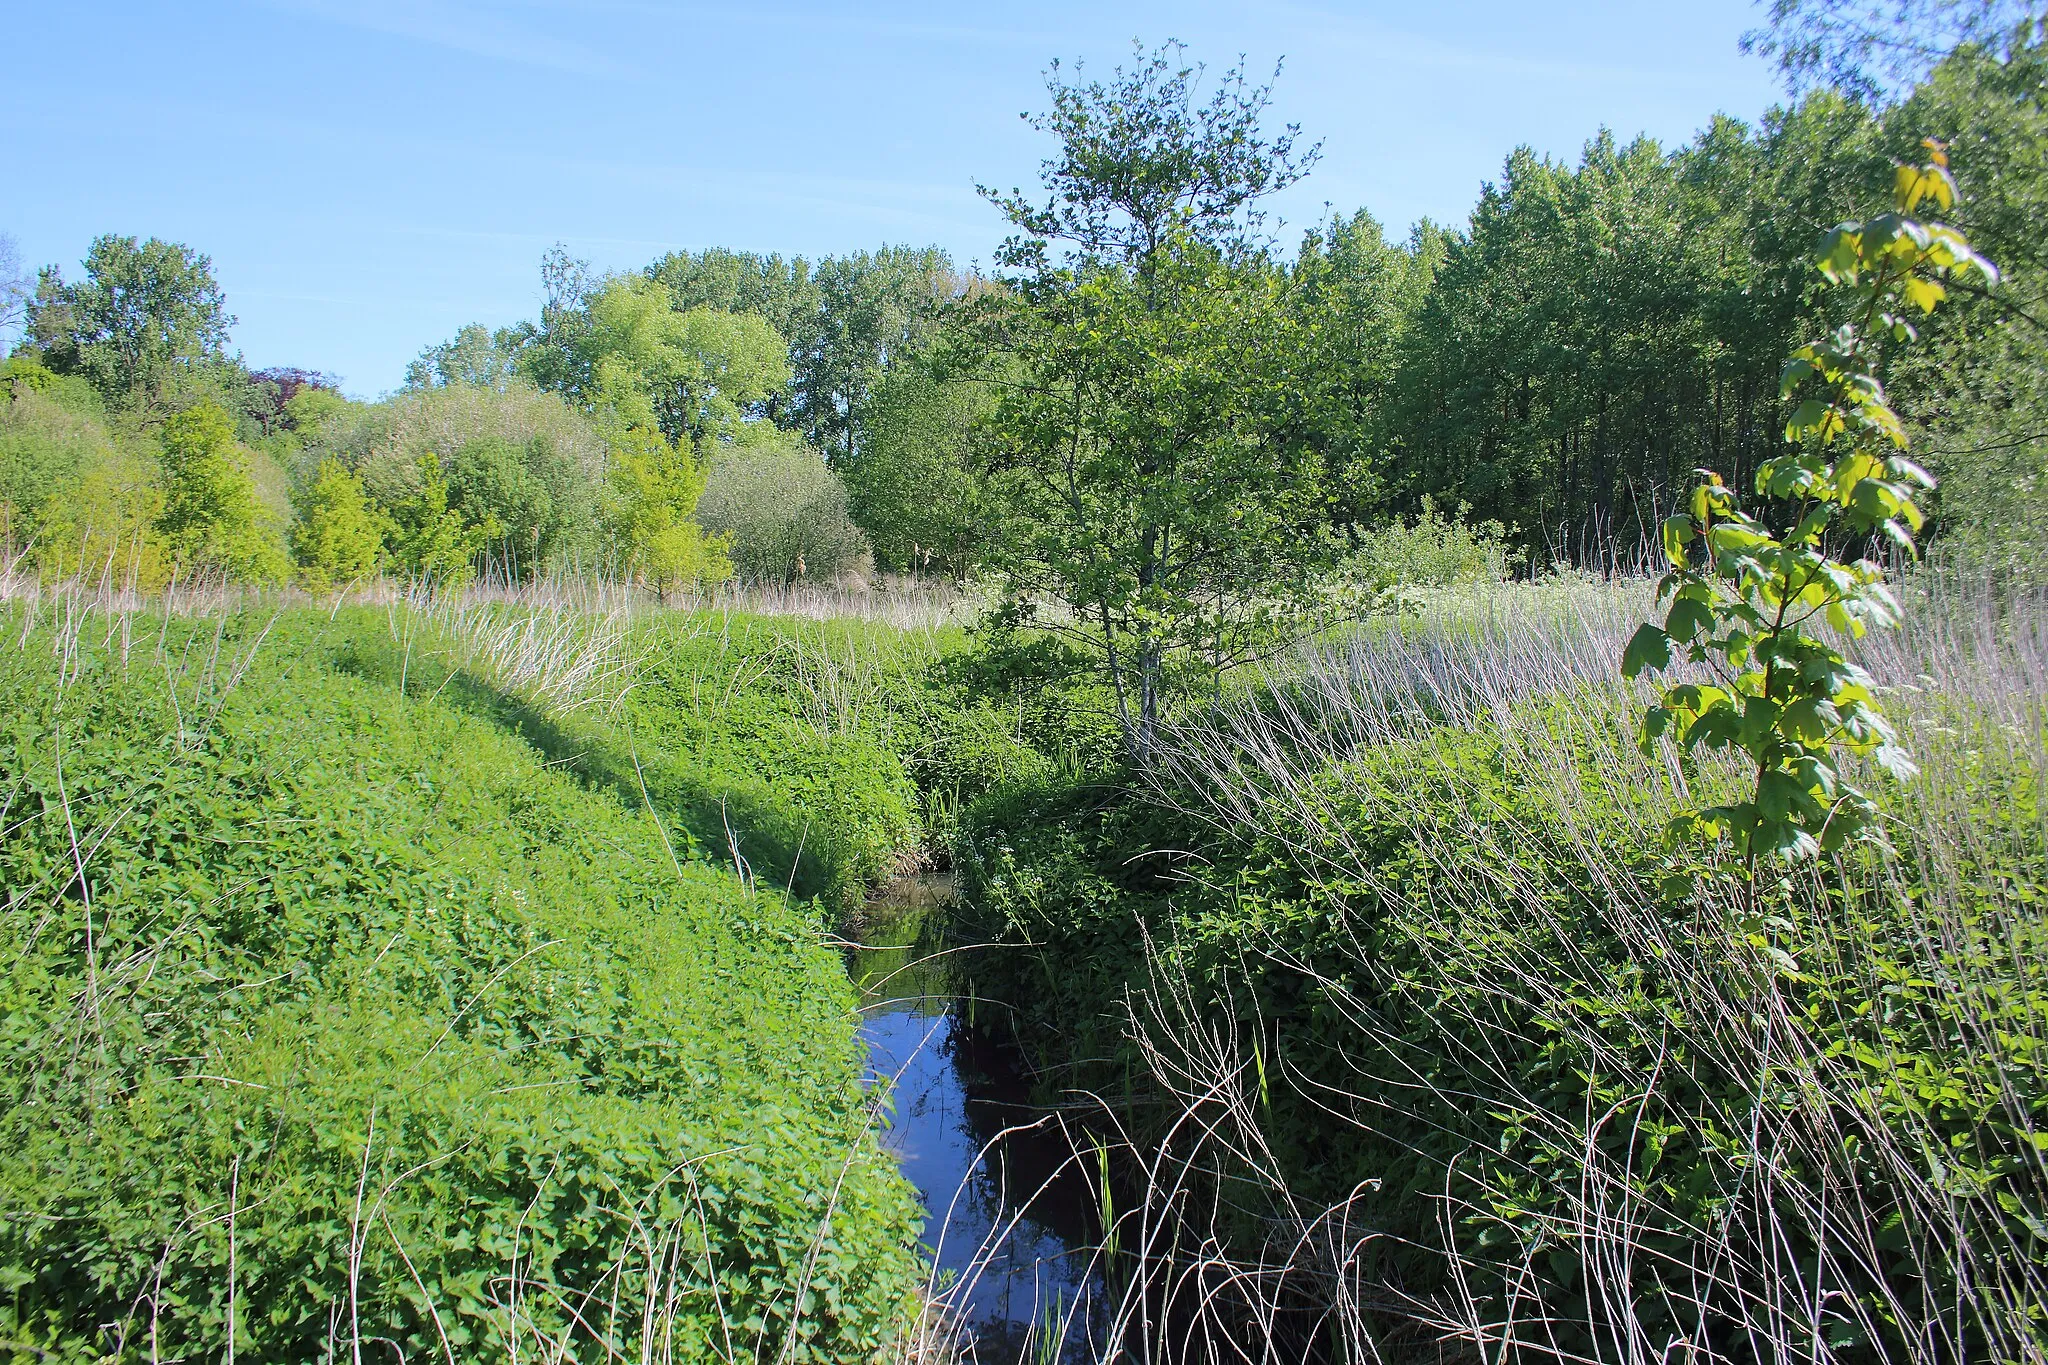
[1190,798]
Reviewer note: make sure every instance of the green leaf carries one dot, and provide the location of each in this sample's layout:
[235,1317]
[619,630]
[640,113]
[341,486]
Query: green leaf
[1688,619]
[1678,533]
[1648,648]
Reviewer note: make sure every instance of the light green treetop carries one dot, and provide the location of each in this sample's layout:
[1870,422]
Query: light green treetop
[209,516]
[703,373]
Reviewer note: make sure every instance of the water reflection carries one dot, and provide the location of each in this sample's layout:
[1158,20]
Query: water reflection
[1009,1213]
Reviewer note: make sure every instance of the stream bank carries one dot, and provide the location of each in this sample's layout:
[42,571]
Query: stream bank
[1010,1216]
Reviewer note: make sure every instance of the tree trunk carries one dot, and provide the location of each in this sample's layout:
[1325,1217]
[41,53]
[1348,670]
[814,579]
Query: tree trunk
[1145,738]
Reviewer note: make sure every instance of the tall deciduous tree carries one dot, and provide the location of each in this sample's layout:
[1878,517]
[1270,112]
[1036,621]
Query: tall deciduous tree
[474,355]
[143,313]
[704,372]
[875,311]
[1167,499]
[848,320]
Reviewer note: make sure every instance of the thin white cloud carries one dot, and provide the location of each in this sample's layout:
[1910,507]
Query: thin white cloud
[476,29]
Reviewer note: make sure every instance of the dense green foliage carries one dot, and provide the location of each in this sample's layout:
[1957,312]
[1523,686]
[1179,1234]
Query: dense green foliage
[917,488]
[1600,332]
[1436,987]
[827,756]
[363,991]
[347,990]
[337,539]
[849,320]
[784,513]
[209,517]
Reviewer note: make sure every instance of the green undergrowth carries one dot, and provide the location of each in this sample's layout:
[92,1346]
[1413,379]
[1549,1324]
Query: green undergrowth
[337,1015]
[1454,981]
[817,758]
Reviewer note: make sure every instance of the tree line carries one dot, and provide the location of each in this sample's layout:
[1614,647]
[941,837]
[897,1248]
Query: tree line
[1156,426]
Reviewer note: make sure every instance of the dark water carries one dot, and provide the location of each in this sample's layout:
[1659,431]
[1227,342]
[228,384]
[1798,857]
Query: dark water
[1011,1212]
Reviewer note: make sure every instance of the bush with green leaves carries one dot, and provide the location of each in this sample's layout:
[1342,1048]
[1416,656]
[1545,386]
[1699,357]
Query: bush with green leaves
[44,448]
[517,458]
[210,518]
[913,486]
[339,538]
[339,1020]
[1388,951]
[76,496]
[785,512]
[653,488]
[1435,551]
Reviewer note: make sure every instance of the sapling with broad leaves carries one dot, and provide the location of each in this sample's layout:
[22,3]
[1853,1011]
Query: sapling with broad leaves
[1749,602]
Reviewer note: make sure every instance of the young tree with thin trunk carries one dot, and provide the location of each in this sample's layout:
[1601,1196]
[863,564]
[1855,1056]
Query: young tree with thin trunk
[1146,347]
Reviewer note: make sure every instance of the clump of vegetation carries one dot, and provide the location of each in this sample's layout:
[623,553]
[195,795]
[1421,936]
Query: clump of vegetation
[1431,550]
[209,516]
[916,487]
[337,539]
[338,1017]
[784,514]
[1387,975]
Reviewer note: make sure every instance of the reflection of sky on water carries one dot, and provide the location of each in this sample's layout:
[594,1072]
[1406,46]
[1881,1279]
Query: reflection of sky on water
[937,1133]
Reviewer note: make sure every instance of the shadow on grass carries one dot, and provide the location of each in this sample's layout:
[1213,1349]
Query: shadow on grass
[708,816]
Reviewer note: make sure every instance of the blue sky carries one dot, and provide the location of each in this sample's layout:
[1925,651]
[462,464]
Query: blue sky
[368,175]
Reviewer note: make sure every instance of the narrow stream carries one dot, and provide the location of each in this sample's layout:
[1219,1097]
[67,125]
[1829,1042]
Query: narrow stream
[1009,1215]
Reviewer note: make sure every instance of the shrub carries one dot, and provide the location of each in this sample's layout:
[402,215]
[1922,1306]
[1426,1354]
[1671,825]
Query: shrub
[1391,964]
[533,463]
[43,451]
[912,486]
[433,541]
[209,517]
[72,494]
[785,512]
[655,488]
[338,539]
[1436,551]
[23,373]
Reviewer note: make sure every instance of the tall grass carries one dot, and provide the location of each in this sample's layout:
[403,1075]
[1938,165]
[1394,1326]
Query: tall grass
[1859,1069]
